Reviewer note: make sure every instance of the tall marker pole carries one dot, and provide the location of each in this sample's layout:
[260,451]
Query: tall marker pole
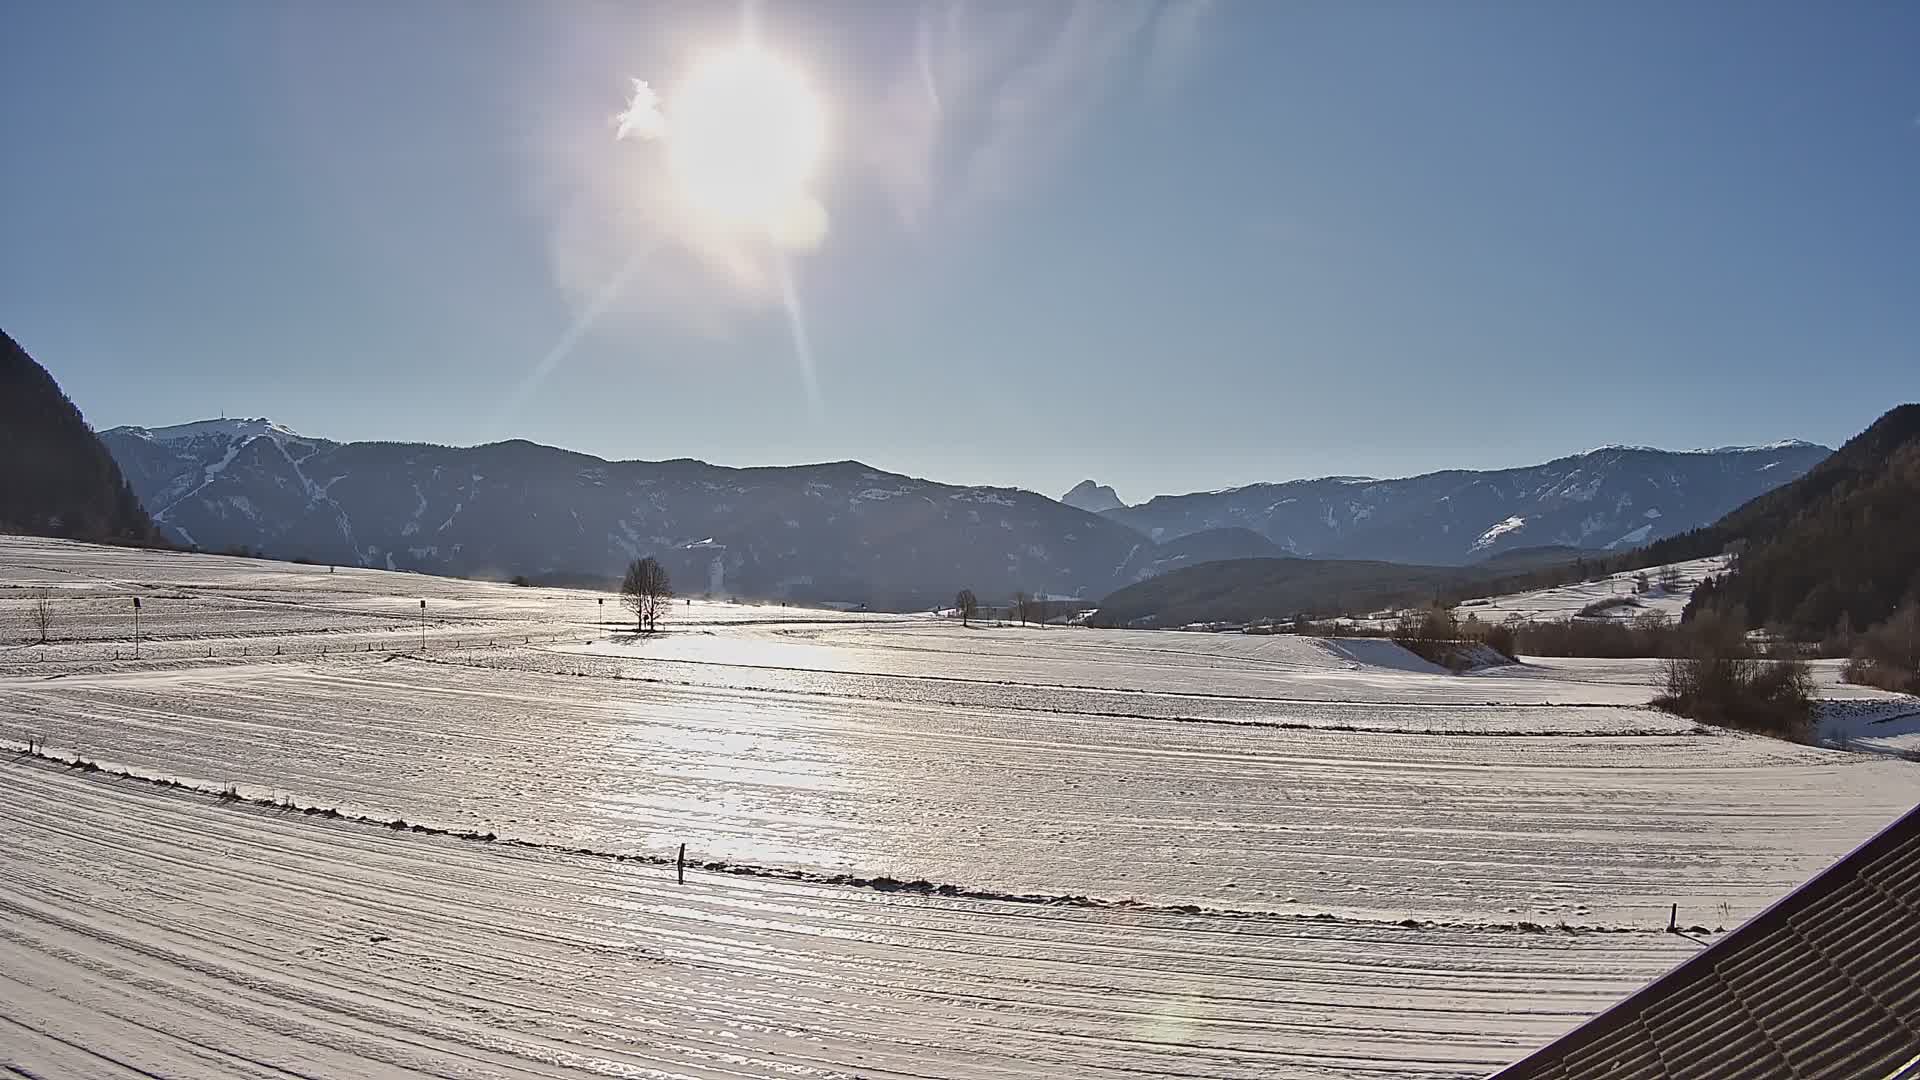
[136,628]
[423,626]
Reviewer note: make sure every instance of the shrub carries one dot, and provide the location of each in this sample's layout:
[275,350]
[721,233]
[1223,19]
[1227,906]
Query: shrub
[1864,672]
[1434,636]
[1888,656]
[1728,688]
[1603,608]
[1647,635]
[1431,635]
[1431,624]
[1503,640]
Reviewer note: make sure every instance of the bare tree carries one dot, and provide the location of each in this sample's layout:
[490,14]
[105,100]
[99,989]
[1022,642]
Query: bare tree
[40,615]
[967,605]
[1022,603]
[645,591]
[1670,581]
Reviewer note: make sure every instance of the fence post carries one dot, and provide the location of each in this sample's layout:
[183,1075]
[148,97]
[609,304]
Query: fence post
[1673,920]
[680,865]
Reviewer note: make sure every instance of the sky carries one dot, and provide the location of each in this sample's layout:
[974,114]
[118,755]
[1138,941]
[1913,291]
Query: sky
[1168,246]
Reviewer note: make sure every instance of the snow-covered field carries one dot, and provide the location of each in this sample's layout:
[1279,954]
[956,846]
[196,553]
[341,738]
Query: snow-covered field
[162,933]
[1130,853]
[1568,601]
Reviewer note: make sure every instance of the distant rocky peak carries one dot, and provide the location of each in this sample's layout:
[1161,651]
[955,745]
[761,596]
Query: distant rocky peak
[1091,497]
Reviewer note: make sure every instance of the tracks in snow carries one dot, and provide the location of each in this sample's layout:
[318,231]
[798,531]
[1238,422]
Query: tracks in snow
[176,937]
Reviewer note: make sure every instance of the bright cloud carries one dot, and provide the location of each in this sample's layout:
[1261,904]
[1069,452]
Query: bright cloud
[642,118]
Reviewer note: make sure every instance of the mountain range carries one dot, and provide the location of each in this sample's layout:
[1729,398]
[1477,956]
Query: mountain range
[841,531]
[1829,554]
[1612,498]
[845,531]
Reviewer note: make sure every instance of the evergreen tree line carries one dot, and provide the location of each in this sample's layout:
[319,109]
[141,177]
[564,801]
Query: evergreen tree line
[1835,556]
[56,477]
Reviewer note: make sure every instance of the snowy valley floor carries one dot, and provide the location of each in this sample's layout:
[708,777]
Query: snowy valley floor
[1233,856]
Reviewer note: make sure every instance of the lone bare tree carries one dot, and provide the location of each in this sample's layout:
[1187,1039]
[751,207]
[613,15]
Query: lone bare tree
[1022,603]
[1670,580]
[40,615]
[967,605]
[645,591]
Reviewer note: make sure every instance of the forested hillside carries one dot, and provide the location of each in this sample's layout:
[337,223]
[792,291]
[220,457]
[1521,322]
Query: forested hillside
[56,479]
[1241,590]
[1836,550]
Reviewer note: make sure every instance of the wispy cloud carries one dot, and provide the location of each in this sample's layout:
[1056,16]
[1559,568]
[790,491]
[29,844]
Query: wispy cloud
[994,98]
[1177,34]
[1041,104]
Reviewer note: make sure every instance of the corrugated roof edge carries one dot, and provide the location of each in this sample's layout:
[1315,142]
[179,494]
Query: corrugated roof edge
[1903,829]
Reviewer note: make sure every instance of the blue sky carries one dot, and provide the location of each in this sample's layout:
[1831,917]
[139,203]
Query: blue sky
[1169,246]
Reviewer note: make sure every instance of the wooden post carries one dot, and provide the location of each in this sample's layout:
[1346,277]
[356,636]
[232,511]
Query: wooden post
[1673,920]
[680,865]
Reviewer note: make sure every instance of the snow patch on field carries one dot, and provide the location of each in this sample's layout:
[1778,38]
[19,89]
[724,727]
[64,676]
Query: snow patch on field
[1887,723]
[1377,653]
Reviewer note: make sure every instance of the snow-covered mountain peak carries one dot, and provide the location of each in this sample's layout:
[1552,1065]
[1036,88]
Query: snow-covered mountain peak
[229,430]
[1761,448]
[1777,444]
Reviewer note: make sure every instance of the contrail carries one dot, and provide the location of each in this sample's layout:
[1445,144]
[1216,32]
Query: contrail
[572,336]
[797,322]
[923,52]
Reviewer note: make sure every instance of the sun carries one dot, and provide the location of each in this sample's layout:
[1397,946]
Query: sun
[747,135]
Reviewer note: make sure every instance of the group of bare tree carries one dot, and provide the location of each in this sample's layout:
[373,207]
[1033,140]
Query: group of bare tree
[1029,609]
[645,591]
[1025,606]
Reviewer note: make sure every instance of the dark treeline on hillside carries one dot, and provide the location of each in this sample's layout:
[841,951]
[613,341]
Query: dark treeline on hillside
[1833,553]
[1245,590]
[56,479]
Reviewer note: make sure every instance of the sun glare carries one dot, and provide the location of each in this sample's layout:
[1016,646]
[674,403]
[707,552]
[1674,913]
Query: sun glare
[747,134]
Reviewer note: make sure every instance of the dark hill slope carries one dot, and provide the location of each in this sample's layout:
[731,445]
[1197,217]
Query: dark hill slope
[1243,590]
[1840,544]
[56,479]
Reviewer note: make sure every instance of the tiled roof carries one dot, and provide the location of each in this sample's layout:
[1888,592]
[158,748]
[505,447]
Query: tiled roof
[1824,984]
